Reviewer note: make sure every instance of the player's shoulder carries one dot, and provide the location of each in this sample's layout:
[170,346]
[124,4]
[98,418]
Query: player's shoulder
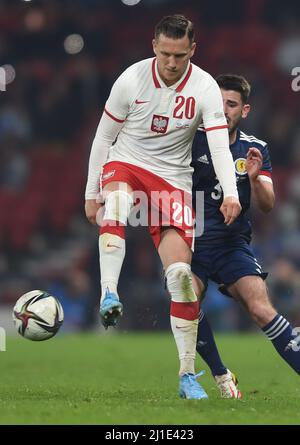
[140,67]
[202,76]
[135,73]
[252,140]
[200,137]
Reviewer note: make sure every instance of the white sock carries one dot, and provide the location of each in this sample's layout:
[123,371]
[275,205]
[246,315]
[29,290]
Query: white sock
[185,334]
[111,254]
[179,283]
[118,205]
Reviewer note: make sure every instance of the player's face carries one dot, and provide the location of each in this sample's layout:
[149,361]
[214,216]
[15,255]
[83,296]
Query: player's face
[173,56]
[234,108]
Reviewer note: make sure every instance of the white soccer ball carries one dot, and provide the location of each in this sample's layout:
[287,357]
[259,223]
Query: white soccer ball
[38,315]
[131,2]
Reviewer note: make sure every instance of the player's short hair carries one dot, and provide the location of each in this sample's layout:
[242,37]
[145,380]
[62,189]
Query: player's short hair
[236,83]
[176,27]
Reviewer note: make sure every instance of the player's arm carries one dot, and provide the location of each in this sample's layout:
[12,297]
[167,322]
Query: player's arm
[110,125]
[218,141]
[262,189]
[107,131]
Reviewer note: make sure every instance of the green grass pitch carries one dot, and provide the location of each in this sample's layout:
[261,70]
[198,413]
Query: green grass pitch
[124,378]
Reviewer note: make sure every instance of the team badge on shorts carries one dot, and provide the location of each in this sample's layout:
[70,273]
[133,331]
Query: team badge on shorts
[159,124]
[240,166]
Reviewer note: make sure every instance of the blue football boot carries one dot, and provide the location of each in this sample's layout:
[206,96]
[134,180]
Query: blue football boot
[110,309]
[189,388]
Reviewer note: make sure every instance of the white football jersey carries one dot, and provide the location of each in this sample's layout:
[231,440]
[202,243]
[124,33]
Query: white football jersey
[159,122]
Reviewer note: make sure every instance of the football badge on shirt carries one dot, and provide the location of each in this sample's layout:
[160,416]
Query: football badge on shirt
[240,166]
[159,124]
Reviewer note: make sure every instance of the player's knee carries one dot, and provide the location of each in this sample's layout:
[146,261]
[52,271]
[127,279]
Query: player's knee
[118,205]
[179,283]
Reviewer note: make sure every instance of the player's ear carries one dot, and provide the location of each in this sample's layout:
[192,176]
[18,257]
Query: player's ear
[246,110]
[154,46]
[193,48]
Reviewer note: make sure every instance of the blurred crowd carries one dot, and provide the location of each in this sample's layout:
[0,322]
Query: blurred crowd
[61,58]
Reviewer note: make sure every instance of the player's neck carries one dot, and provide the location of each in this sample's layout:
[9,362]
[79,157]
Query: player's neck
[167,82]
[232,137]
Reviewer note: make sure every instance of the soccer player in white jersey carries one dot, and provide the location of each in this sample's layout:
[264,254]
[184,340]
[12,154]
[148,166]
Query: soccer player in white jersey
[143,143]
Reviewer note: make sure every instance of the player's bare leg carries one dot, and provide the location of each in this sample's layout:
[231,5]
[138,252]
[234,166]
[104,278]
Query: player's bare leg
[118,204]
[252,292]
[176,258]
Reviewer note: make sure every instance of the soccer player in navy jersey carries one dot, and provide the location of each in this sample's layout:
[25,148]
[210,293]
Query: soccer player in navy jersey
[223,253]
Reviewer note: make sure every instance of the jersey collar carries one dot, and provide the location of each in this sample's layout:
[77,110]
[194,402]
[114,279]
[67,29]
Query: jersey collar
[236,140]
[178,86]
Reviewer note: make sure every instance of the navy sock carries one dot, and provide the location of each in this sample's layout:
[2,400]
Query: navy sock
[207,348]
[285,340]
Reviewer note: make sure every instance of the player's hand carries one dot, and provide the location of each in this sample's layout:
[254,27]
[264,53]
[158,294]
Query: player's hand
[92,207]
[230,208]
[254,162]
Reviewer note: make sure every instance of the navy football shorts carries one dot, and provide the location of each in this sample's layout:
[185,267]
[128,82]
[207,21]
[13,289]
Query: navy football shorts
[225,264]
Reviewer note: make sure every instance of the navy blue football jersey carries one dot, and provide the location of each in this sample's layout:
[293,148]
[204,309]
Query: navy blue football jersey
[204,179]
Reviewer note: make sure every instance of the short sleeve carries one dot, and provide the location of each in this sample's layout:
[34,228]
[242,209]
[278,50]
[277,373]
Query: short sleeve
[212,107]
[267,166]
[117,105]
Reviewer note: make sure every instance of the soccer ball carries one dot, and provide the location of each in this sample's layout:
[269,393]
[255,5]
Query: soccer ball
[38,315]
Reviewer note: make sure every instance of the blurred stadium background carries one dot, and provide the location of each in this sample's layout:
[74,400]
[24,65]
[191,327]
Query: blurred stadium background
[61,58]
